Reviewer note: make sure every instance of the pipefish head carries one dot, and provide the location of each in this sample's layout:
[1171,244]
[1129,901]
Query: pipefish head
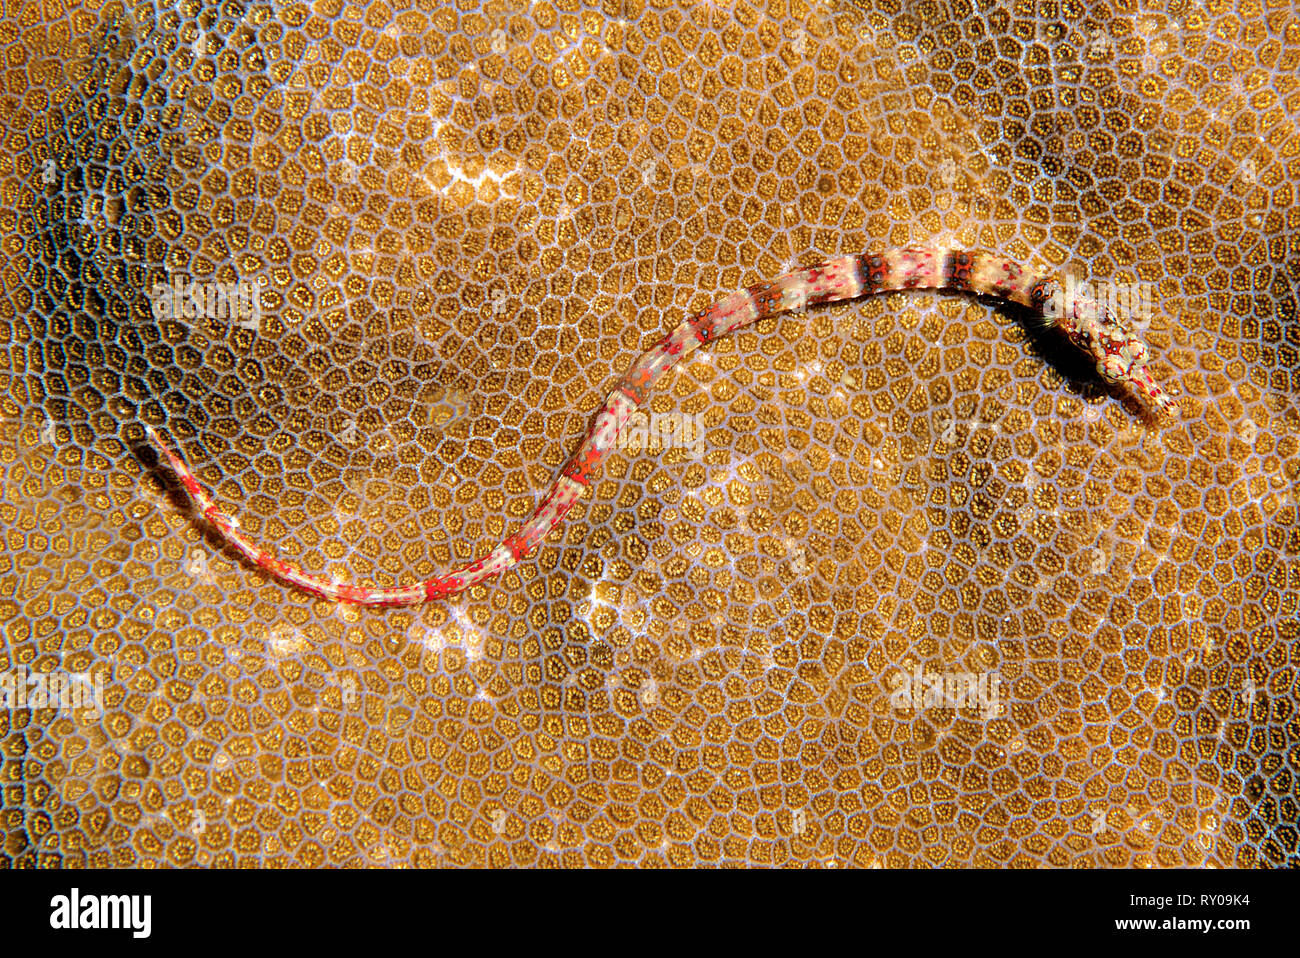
[1115,347]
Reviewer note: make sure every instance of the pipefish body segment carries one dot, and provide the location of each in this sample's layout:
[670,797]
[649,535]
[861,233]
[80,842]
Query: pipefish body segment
[1119,355]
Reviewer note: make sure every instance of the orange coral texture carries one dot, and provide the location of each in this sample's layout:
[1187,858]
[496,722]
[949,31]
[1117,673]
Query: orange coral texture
[466,222]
